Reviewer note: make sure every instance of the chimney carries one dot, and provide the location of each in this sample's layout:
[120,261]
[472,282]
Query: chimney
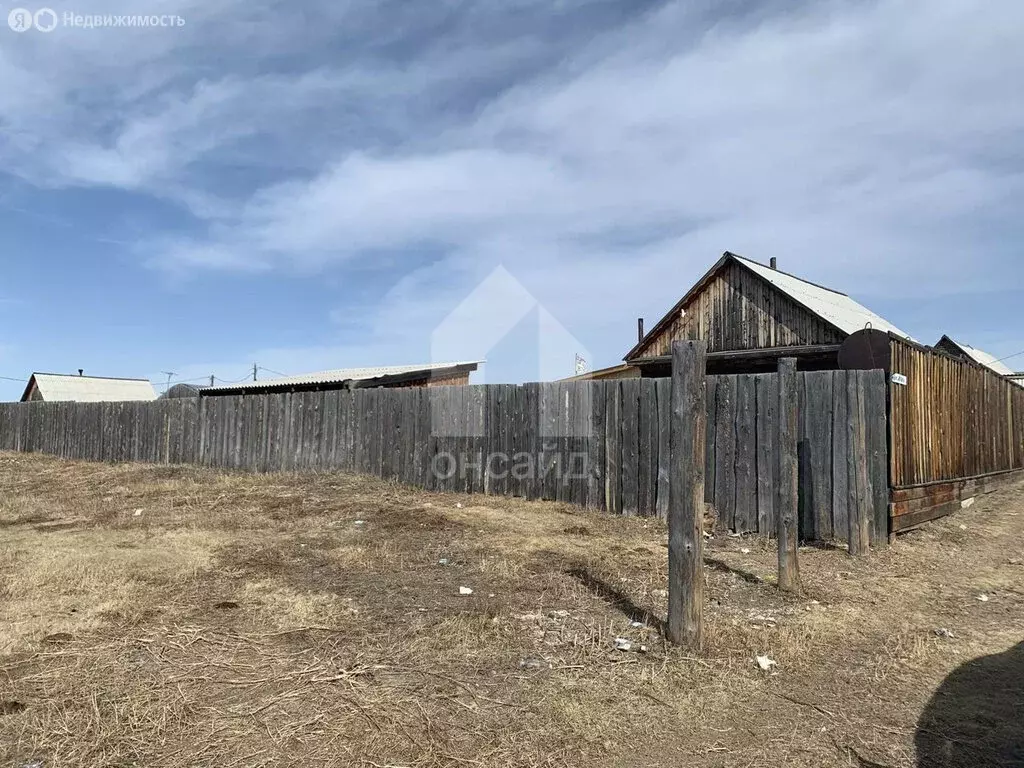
[773,263]
[79,371]
[639,329]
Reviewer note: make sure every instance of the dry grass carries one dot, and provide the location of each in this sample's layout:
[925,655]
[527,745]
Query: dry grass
[156,616]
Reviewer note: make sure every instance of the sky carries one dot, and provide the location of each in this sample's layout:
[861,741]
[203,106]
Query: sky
[344,183]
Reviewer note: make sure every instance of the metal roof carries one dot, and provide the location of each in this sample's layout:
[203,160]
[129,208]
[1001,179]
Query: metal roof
[341,375]
[983,358]
[837,308]
[60,387]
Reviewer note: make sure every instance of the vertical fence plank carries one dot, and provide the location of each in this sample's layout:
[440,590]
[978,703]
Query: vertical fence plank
[725,452]
[630,439]
[877,455]
[787,480]
[859,510]
[766,396]
[613,447]
[746,454]
[840,455]
[663,394]
[646,480]
[819,431]
[710,461]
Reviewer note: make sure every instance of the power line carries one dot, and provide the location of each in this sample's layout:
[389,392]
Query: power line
[270,370]
[10,378]
[1009,356]
[247,377]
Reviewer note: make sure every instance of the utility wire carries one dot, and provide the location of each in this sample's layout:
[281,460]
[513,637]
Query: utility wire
[1009,356]
[270,370]
[247,377]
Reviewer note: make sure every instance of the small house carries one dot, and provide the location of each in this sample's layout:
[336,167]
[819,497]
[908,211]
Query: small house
[62,388]
[963,351]
[751,314]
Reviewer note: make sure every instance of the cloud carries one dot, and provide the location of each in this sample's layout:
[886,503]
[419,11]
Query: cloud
[837,129]
[605,152]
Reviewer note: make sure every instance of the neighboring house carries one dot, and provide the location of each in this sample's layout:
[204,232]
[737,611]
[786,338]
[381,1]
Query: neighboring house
[61,387]
[428,375]
[621,371]
[751,314]
[967,352]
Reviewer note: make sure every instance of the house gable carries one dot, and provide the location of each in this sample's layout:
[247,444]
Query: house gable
[733,308]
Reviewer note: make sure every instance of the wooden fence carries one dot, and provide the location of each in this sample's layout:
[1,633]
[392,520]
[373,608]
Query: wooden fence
[601,444]
[952,419]
[955,429]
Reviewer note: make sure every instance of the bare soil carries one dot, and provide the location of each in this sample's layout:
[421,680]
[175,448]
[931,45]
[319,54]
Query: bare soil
[179,616]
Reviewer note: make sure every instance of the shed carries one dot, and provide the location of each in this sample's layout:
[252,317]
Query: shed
[62,387]
[424,375]
[751,314]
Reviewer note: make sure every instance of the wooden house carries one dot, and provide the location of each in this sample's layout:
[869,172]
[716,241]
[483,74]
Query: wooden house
[751,314]
[962,351]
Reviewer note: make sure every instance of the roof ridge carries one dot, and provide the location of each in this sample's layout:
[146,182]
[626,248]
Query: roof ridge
[84,376]
[788,274]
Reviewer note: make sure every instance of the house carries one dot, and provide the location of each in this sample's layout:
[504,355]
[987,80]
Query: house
[966,352]
[62,387]
[751,314]
[620,371]
[426,375]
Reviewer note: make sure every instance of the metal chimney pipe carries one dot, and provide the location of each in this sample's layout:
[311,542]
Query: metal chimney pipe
[773,263]
[639,329]
[79,371]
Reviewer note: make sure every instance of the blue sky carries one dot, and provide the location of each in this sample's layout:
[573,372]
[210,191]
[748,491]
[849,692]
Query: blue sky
[320,185]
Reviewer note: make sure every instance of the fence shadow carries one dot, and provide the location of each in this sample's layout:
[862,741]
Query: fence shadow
[723,567]
[618,599]
[976,717]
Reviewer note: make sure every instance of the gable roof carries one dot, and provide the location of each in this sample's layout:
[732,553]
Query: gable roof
[341,375]
[62,387]
[835,308]
[978,356]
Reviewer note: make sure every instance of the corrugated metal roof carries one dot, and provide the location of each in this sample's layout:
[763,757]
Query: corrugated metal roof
[984,358]
[56,387]
[837,308]
[340,375]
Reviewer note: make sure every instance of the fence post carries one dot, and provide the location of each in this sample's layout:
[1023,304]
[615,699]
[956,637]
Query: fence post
[686,495]
[786,481]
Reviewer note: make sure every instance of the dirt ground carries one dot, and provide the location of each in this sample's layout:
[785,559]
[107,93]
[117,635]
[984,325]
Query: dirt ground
[176,616]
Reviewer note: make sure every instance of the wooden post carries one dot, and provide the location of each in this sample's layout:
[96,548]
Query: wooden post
[686,495]
[786,484]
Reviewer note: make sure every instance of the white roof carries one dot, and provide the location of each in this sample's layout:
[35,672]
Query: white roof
[56,387]
[339,375]
[980,356]
[837,308]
